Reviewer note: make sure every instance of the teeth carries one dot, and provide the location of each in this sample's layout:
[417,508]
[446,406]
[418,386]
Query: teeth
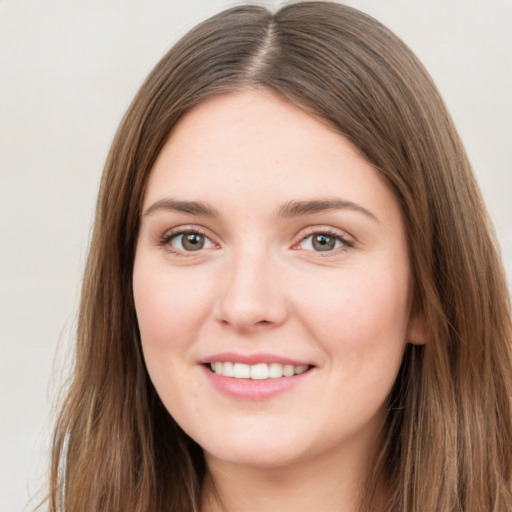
[240,371]
[275,370]
[288,370]
[227,369]
[260,371]
[300,369]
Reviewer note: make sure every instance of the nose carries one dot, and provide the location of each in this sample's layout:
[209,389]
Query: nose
[252,295]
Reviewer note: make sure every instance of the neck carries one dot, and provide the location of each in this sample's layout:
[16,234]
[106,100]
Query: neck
[316,484]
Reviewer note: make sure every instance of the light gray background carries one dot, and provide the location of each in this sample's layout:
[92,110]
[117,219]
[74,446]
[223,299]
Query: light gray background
[68,70]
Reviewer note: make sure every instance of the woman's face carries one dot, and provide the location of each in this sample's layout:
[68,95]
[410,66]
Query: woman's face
[271,284]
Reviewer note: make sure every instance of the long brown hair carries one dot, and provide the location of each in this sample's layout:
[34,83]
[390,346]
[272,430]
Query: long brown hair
[448,439]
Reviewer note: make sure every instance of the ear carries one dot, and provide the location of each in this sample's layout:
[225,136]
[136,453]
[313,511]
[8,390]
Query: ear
[417,330]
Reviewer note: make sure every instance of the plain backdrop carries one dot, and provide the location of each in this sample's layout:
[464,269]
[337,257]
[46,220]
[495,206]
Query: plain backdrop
[68,70]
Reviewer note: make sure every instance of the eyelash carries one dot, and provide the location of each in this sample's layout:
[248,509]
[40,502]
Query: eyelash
[345,242]
[165,241]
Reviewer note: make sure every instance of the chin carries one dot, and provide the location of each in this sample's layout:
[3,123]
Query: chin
[256,452]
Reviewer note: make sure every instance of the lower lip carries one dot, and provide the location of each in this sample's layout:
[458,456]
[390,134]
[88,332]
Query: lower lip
[253,389]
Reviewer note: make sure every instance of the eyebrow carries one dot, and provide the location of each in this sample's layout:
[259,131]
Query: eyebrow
[299,208]
[290,209]
[191,207]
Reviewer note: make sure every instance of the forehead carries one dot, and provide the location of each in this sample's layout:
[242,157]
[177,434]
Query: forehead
[249,146]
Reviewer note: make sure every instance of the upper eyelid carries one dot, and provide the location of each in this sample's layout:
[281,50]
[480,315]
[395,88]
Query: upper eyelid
[348,242]
[166,239]
[169,234]
[301,234]
[313,230]
[178,230]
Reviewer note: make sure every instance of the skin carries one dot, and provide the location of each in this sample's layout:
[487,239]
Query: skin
[259,285]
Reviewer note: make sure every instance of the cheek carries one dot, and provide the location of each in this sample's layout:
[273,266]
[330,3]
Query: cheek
[361,316]
[171,310]
[168,305]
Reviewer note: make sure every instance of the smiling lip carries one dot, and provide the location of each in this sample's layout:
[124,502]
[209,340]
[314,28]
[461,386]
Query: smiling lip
[254,388]
[251,359]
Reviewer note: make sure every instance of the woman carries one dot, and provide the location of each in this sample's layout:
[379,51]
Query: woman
[292,298]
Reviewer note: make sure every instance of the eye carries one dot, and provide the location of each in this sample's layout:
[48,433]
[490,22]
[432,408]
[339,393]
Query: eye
[189,241]
[323,242]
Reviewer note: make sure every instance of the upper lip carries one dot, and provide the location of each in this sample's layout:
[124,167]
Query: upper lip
[252,359]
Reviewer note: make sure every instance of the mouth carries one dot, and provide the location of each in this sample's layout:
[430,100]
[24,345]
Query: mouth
[258,371]
[255,376]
